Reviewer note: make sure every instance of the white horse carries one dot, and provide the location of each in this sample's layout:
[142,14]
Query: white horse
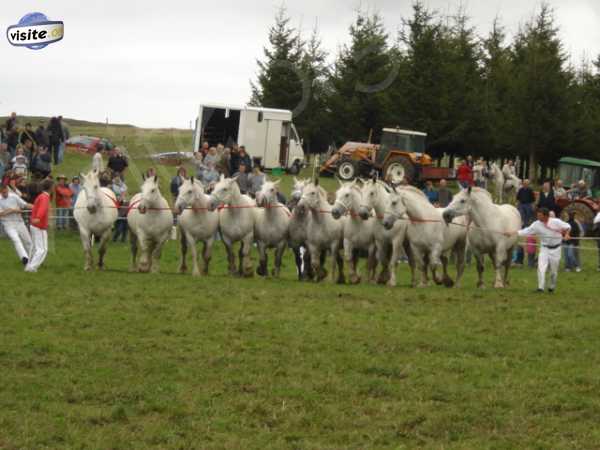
[358,234]
[95,211]
[492,232]
[431,239]
[150,220]
[236,222]
[297,231]
[324,233]
[196,223]
[271,227]
[375,198]
[505,186]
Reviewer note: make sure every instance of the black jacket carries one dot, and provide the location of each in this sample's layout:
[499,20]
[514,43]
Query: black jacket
[547,201]
[525,195]
[117,163]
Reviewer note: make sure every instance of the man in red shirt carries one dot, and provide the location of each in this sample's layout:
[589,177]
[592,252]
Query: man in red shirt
[39,227]
[464,174]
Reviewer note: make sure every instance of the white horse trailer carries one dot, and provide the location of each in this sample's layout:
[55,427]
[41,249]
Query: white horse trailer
[266,133]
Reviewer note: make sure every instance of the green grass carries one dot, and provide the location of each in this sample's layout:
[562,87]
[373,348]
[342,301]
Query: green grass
[119,360]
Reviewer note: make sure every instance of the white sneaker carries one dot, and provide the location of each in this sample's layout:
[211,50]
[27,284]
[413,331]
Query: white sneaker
[578,269]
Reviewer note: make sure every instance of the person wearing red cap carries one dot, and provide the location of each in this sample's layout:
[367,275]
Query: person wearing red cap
[39,227]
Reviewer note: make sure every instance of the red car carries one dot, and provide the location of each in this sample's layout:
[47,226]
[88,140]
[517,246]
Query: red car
[87,144]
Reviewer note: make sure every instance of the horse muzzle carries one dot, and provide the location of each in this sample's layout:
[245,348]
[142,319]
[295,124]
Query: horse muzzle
[92,209]
[336,213]
[388,222]
[213,204]
[364,213]
[448,217]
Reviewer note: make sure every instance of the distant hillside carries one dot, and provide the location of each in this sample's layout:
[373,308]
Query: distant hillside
[35,120]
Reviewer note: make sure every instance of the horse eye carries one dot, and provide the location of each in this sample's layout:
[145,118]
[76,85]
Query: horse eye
[96,187]
[394,203]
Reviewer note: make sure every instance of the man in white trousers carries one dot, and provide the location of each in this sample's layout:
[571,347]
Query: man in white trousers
[39,227]
[551,233]
[11,206]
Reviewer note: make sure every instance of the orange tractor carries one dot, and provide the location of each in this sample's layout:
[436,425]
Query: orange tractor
[400,155]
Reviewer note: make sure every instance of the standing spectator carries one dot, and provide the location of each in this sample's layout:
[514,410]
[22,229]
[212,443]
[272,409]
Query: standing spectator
[256,180]
[117,162]
[41,135]
[526,200]
[551,232]
[42,163]
[75,187]
[444,194]
[546,198]
[572,260]
[211,157]
[97,164]
[66,135]
[55,137]
[223,164]
[63,197]
[198,164]
[26,134]
[177,181]
[119,187]
[531,245]
[509,170]
[204,149]
[242,180]
[12,139]
[11,206]
[245,158]
[431,193]
[234,159]
[39,227]
[210,177]
[479,173]
[559,190]
[470,161]
[464,175]
[582,190]
[3,159]
[11,121]
[121,223]
[29,150]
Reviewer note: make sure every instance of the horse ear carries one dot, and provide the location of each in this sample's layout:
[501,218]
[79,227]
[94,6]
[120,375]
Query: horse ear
[469,190]
[143,177]
[156,178]
[192,179]
[222,177]
[317,181]
[276,183]
[340,182]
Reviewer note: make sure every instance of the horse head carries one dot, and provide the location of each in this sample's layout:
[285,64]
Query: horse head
[313,196]
[460,205]
[372,195]
[395,210]
[296,194]
[347,199]
[150,195]
[91,187]
[268,194]
[224,193]
[189,192]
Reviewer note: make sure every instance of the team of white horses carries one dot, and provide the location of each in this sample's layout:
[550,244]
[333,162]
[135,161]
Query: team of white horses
[367,219]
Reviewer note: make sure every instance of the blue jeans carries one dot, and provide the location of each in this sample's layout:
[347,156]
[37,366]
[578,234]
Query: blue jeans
[572,256]
[526,211]
[62,218]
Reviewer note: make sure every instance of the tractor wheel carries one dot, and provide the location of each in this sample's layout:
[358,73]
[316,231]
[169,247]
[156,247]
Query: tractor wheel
[583,213]
[398,168]
[347,170]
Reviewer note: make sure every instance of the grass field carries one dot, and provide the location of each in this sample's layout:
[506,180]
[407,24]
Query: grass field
[113,360]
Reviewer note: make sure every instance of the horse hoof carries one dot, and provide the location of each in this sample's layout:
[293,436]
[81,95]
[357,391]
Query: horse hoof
[87,268]
[196,273]
[261,271]
[498,286]
[480,286]
[100,268]
[354,279]
[391,284]
[248,274]
[182,269]
[448,282]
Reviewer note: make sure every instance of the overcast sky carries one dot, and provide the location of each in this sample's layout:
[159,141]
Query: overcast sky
[151,63]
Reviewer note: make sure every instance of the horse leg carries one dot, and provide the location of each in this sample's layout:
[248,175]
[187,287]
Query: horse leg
[446,280]
[133,241]
[500,258]
[383,256]
[338,263]
[184,245]
[350,257]
[245,261]
[262,268]
[230,256]
[435,261]
[145,246]
[207,254]
[315,255]
[479,259]
[194,251]
[298,260]
[372,263]
[460,252]
[507,265]
[279,251]
[102,248]
[157,251]
[86,242]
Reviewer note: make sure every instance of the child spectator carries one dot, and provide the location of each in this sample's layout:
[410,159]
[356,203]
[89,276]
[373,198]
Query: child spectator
[531,245]
[19,163]
[39,227]
[42,163]
[75,187]
[63,197]
[121,223]
[119,187]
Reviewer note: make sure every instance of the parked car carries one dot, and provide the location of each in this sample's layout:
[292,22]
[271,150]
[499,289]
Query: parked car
[87,144]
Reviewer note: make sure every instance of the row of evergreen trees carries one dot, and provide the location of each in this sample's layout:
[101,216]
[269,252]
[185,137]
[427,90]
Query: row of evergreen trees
[472,95]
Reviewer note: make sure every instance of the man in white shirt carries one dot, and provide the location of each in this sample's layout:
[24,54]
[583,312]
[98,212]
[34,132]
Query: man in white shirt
[551,232]
[11,206]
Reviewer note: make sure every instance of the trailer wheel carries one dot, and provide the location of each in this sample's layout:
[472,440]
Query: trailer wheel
[294,169]
[347,170]
[398,168]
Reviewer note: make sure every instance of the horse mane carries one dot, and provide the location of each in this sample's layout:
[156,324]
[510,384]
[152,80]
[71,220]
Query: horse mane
[478,190]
